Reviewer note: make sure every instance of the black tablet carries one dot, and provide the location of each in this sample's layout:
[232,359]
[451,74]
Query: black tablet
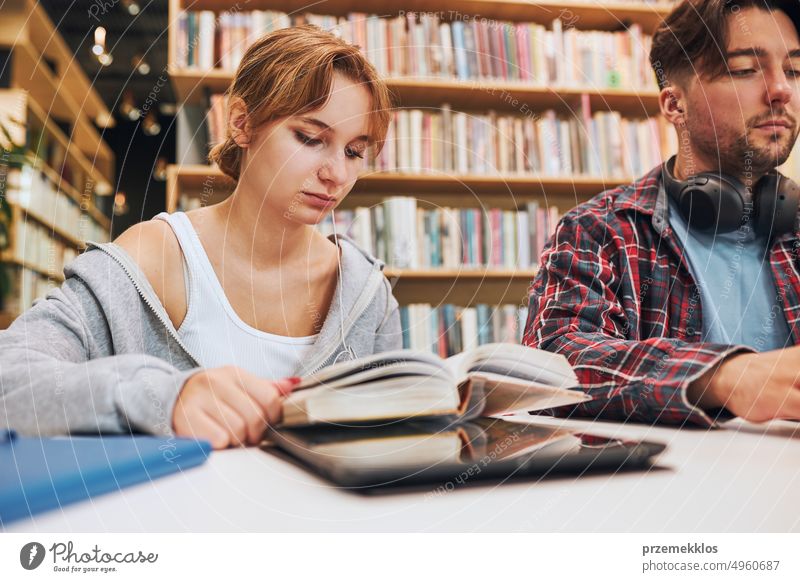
[449,455]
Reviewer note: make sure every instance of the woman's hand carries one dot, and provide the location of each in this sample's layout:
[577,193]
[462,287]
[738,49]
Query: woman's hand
[229,406]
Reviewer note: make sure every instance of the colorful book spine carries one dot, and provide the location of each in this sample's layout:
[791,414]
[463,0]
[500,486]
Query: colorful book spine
[447,329]
[601,144]
[424,45]
[407,237]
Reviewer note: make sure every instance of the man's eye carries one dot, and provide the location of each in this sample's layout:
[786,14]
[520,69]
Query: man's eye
[743,72]
[793,73]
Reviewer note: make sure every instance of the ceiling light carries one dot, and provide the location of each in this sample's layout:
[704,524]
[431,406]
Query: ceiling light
[140,64]
[131,6]
[99,46]
[150,125]
[120,204]
[127,107]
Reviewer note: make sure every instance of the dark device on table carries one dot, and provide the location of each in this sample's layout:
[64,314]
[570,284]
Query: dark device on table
[435,452]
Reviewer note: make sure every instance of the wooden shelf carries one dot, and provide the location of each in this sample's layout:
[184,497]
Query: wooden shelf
[17,102]
[477,94]
[507,185]
[30,74]
[583,15]
[50,225]
[211,183]
[466,272]
[464,287]
[25,22]
[6,319]
[46,89]
[22,263]
[63,186]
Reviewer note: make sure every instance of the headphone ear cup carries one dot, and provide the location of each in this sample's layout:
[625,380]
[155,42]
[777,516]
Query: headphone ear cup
[711,204]
[776,205]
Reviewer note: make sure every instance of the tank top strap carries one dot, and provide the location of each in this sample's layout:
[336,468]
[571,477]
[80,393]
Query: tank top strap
[193,257]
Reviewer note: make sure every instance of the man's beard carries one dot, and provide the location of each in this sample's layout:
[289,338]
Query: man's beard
[739,154]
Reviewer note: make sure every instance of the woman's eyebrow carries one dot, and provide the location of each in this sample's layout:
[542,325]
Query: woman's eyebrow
[325,127]
[318,123]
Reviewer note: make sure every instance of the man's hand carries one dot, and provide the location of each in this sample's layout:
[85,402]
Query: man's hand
[229,406]
[755,387]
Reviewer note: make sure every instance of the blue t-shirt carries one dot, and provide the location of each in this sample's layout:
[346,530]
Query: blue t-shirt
[739,300]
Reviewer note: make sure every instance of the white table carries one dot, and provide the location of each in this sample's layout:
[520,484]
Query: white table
[742,478]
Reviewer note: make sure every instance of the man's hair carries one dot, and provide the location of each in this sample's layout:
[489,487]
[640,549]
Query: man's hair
[694,37]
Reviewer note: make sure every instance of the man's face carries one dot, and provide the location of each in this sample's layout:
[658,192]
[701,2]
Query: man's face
[747,119]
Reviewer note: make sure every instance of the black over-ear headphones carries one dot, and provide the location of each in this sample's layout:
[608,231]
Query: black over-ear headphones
[716,202]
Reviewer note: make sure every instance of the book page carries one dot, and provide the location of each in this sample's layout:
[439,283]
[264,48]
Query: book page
[375,363]
[422,370]
[516,361]
[504,395]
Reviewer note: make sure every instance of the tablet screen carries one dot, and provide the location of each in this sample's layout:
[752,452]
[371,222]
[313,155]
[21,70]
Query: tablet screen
[429,451]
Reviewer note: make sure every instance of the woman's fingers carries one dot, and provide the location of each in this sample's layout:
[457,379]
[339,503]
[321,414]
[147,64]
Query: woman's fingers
[197,424]
[269,394]
[229,406]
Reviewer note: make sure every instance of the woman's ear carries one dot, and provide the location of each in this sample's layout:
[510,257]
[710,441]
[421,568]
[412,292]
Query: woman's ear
[239,122]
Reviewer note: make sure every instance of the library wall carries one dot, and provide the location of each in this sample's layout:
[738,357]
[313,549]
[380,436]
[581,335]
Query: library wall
[508,115]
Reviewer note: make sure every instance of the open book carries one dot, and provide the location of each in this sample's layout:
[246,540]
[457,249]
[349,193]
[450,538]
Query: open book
[489,380]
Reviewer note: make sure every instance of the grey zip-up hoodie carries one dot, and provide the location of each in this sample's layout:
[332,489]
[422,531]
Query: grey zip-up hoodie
[100,354]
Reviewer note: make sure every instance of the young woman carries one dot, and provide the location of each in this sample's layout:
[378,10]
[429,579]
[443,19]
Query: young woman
[197,324]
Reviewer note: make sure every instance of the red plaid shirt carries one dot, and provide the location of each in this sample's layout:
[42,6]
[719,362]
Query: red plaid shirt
[615,296]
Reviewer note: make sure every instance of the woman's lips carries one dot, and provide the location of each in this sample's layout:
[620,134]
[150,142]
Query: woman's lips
[319,200]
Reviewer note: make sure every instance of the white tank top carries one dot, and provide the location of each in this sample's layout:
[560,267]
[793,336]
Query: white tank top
[213,332]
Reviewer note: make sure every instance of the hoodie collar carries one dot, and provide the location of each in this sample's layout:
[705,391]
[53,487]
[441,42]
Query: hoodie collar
[362,276]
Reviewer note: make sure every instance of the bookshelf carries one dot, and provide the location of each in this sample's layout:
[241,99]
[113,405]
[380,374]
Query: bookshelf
[443,189]
[193,178]
[61,163]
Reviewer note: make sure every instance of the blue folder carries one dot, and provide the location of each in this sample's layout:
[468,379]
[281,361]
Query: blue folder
[38,474]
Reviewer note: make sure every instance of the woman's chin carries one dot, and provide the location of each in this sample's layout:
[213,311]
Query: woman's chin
[306,216]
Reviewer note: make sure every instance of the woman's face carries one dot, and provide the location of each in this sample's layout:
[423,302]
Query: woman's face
[305,165]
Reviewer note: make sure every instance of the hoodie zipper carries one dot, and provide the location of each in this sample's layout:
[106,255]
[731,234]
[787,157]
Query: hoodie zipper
[355,313]
[169,327]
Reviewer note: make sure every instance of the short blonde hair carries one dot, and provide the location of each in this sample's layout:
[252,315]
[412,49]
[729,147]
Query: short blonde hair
[290,72]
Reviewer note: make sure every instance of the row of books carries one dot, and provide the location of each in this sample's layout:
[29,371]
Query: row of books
[30,189]
[35,247]
[424,45]
[51,152]
[446,330]
[440,140]
[216,117]
[407,237]
[602,144]
[25,288]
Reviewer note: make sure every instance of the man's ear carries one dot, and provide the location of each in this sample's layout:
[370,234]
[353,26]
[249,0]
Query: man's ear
[671,101]
[239,122]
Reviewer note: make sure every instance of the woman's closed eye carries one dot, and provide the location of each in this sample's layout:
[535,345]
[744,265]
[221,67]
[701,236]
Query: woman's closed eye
[306,140]
[350,152]
[354,153]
